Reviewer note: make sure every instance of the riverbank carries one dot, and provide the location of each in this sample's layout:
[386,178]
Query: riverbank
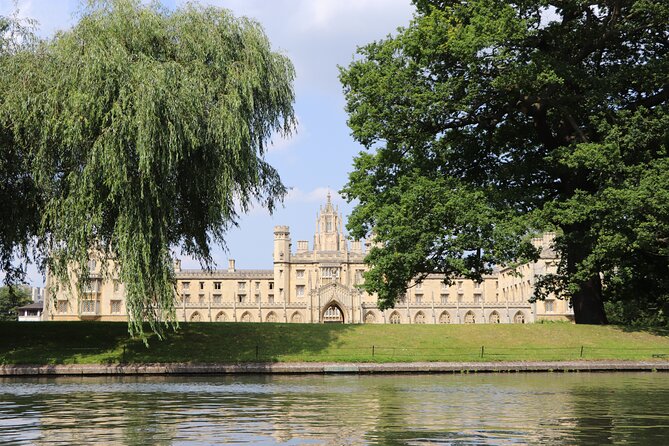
[297,368]
[108,344]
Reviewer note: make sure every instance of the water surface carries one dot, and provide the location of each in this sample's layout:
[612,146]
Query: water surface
[542,408]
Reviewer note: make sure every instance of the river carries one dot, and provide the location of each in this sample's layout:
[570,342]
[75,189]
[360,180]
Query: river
[517,408]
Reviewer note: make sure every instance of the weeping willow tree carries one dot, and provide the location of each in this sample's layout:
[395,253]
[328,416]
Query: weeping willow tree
[142,129]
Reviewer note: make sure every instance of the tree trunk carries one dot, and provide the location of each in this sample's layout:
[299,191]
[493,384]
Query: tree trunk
[588,304]
[587,301]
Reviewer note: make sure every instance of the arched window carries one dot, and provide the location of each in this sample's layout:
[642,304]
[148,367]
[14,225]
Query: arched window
[196,317]
[395,318]
[271,317]
[420,318]
[333,314]
[470,318]
[296,318]
[370,318]
[221,317]
[445,318]
[246,317]
[519,318]
[494,317]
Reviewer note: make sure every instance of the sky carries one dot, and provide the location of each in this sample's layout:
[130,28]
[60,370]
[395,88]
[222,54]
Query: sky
[317,35]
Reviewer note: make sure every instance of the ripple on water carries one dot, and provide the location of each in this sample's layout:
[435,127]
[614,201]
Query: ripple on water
[348,409]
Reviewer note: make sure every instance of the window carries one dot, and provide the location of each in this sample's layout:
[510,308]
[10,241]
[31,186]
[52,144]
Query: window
[494,317]
[186,285]
[299,274]
[370,318]
[330,272]
[296,318]
[459,286]
[444,298]
[257,298]
[444,286]
[477,285]
[478,298]
[420,317]
[402,299]
[217,285]
[201,285]
[217,298]
[257,286]
[241,298]
[271,317]
[246,317]
[419,285]
[270,298]
[469,318]
[358,276]
[299,290]
[61,306]
[271,285]
[549,306]
[88,306]
[116,286]
[241,286]
[92,264]
[395,318]
[115,306]
[445,318]
[419,298]
[186,298]
[519,318]
[328,225]
[200,298]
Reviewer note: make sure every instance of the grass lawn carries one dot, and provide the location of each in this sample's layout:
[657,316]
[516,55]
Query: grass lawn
[108,342]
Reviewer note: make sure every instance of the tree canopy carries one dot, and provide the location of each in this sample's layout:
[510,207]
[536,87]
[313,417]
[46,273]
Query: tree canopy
[11,299]
[488,121]
[138,130]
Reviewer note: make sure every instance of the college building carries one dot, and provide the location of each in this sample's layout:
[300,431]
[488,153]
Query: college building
[318,284]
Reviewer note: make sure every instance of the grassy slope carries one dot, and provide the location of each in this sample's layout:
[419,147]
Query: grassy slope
[100,342]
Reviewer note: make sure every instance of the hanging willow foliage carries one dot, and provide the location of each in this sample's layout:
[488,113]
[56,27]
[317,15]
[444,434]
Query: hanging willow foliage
[146,129]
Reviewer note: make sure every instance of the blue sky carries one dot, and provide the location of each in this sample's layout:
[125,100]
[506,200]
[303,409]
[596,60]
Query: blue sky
[317,35]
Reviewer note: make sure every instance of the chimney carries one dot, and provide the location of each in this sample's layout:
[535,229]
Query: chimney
[231,265]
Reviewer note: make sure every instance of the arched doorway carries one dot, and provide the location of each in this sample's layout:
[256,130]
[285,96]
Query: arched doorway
[494,317]
[333,314]
[519,318]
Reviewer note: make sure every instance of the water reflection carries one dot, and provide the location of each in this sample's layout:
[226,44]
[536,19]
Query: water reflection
[344,409]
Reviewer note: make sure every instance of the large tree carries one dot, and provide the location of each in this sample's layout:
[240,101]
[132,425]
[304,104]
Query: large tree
[138,130]
[487,121]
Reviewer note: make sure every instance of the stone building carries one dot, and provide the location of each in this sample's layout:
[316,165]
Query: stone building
[319,285]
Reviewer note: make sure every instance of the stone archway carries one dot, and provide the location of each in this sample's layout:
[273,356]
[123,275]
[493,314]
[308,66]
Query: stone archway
[271,317]
[221,317]
[246,317]
[470,318]
[196,317]
[370,318]
[333,314]
[445,318]
[420,318]
[519,318]
[395,318]
[494,318]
